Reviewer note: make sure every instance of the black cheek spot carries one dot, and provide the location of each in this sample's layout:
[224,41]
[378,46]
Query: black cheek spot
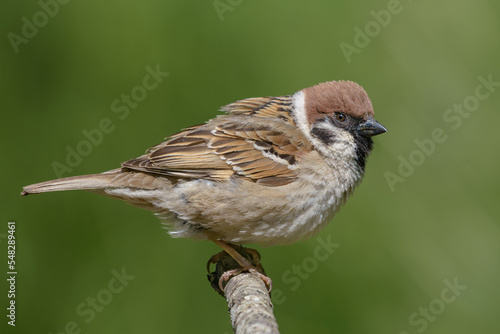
[324,135]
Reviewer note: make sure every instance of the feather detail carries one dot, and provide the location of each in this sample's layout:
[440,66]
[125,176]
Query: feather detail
[83,182]
[257,141]
[277,107]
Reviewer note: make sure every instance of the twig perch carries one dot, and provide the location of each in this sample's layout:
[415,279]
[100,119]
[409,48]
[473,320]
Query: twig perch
[249,301]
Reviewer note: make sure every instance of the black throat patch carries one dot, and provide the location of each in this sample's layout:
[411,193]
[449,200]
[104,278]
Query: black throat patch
[364,146]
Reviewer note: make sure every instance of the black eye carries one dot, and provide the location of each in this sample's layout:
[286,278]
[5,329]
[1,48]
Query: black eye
[340,117]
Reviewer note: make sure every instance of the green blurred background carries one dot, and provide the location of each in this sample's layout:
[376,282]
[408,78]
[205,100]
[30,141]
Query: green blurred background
[400,238]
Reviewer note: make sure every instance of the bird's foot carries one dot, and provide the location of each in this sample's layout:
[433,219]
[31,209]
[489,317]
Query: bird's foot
[232,262]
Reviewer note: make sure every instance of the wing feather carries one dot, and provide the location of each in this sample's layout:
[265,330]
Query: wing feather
[257,141]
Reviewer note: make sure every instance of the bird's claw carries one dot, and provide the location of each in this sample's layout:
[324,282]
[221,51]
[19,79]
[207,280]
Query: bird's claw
[253,267]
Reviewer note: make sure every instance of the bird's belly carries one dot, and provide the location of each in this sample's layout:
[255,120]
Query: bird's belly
[244,213]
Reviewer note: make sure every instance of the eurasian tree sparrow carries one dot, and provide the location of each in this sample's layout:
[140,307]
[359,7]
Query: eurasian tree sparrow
[273,170]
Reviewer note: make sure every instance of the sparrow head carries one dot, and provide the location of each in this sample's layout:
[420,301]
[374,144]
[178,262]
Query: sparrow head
[338,118]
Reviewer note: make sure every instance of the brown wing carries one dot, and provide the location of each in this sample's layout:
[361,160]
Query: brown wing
[278,107]
[261,149]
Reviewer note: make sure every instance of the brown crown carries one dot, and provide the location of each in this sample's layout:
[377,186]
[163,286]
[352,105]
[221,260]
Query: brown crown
[344,96]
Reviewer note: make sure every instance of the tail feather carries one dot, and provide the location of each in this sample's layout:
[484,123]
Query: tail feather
[83,182]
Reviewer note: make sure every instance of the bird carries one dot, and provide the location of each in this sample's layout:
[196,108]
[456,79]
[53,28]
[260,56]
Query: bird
[269,171]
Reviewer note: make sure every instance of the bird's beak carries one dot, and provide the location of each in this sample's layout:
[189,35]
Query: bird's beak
[370,128]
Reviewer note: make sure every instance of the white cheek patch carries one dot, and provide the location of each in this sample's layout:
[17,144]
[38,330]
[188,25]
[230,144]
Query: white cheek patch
[342,145]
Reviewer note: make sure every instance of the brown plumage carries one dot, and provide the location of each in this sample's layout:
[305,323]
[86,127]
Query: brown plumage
[226,147]
[345,96]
